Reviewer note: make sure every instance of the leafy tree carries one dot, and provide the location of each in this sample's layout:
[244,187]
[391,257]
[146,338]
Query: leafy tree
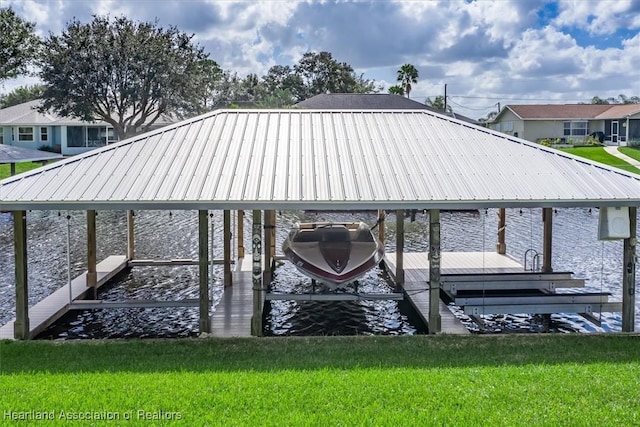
[396,90]
[281,98]
[18,44]
[21,94]
[127,74]
[320,73]
[282,77]
[407,74]
[439,104]
[621,99]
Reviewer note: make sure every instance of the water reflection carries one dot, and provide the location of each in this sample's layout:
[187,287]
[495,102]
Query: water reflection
[163,234]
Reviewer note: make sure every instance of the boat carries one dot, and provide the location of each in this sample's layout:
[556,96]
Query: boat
[333,252]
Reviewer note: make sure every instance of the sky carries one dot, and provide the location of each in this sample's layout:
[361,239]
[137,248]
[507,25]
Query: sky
[488,53]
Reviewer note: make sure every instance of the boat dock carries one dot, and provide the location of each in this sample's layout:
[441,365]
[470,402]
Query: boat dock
[416,271]
[56,305]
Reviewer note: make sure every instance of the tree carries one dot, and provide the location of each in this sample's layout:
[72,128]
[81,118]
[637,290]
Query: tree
[320,73]
[21,94]
[282,77]
[407,74]
[127,74]
[281,98]
[396,90]
[439,104]
[18,44]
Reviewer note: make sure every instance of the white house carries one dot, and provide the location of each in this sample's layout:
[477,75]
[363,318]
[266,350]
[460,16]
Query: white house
[618,124]
[24,126]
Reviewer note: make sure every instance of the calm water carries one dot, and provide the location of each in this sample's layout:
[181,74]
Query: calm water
[163,234]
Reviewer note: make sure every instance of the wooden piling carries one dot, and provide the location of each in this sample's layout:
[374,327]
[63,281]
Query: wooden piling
[256,247]
[228,280]
[21,325]
[399,249]
[434,271]
[203,264]
[629,274]
[240,234]
[92,277]
[130,235]
[547,222]
[501,247]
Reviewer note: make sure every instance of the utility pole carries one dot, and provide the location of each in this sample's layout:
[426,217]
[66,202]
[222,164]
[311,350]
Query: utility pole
[445,98]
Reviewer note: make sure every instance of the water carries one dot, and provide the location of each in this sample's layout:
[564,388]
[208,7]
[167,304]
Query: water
[163,234]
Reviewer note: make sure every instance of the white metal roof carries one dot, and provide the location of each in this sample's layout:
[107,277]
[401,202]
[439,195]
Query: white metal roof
[313,159]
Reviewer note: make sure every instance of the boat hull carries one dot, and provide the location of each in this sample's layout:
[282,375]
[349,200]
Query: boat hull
[333,253]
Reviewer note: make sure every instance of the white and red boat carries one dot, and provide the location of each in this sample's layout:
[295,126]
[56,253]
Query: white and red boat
[333,252]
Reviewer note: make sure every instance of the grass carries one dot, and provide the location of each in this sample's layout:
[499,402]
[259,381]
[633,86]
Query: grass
[5,170]
[420,380]
[632,152]
[599,154]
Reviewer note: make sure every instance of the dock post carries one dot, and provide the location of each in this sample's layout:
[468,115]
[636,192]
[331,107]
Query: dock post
[256,247]
[547,223]
[203,273]
[381,217]
[130,235]
[228,280]
[501,247]
[92,275]
[629,274]
[21,325]
[240,234]
[269,245]
[399,249]
[434,272]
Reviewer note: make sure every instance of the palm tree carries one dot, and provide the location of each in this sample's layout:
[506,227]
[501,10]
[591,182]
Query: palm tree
[396,90]
[407,74]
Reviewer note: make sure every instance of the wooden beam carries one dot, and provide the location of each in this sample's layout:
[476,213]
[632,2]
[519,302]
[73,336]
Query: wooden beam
[381,216]
[92,276]
[130,235]
[269,244]
[547,241]
[21,324]
[228,280]
[399,249]
[256,248]
[629,274]
[434,272]
[203,256]
[240,234]
[501,247]
[12,168]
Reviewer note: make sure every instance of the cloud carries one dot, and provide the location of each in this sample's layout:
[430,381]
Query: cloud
[535,49]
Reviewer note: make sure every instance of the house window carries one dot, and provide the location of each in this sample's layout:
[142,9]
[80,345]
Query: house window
[76,136]
[575,128]
[111,136]
[25,133]
[44,134]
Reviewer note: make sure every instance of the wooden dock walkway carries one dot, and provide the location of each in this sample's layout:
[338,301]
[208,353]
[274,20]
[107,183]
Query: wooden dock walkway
[416,270]
[232,315]
[54,306]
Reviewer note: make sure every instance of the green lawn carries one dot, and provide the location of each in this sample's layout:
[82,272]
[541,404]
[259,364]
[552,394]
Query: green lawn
[598,154]
[5,170]
[509,380]
[632,152]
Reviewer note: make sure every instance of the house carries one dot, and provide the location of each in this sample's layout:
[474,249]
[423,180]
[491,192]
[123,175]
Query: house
[24,126]
[370,101]
[616,124]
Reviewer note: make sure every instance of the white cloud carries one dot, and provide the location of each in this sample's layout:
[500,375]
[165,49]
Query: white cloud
[599,16]
[482,49]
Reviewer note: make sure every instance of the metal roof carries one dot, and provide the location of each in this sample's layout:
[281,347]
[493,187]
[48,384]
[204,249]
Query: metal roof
[11,154]
[320,159]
